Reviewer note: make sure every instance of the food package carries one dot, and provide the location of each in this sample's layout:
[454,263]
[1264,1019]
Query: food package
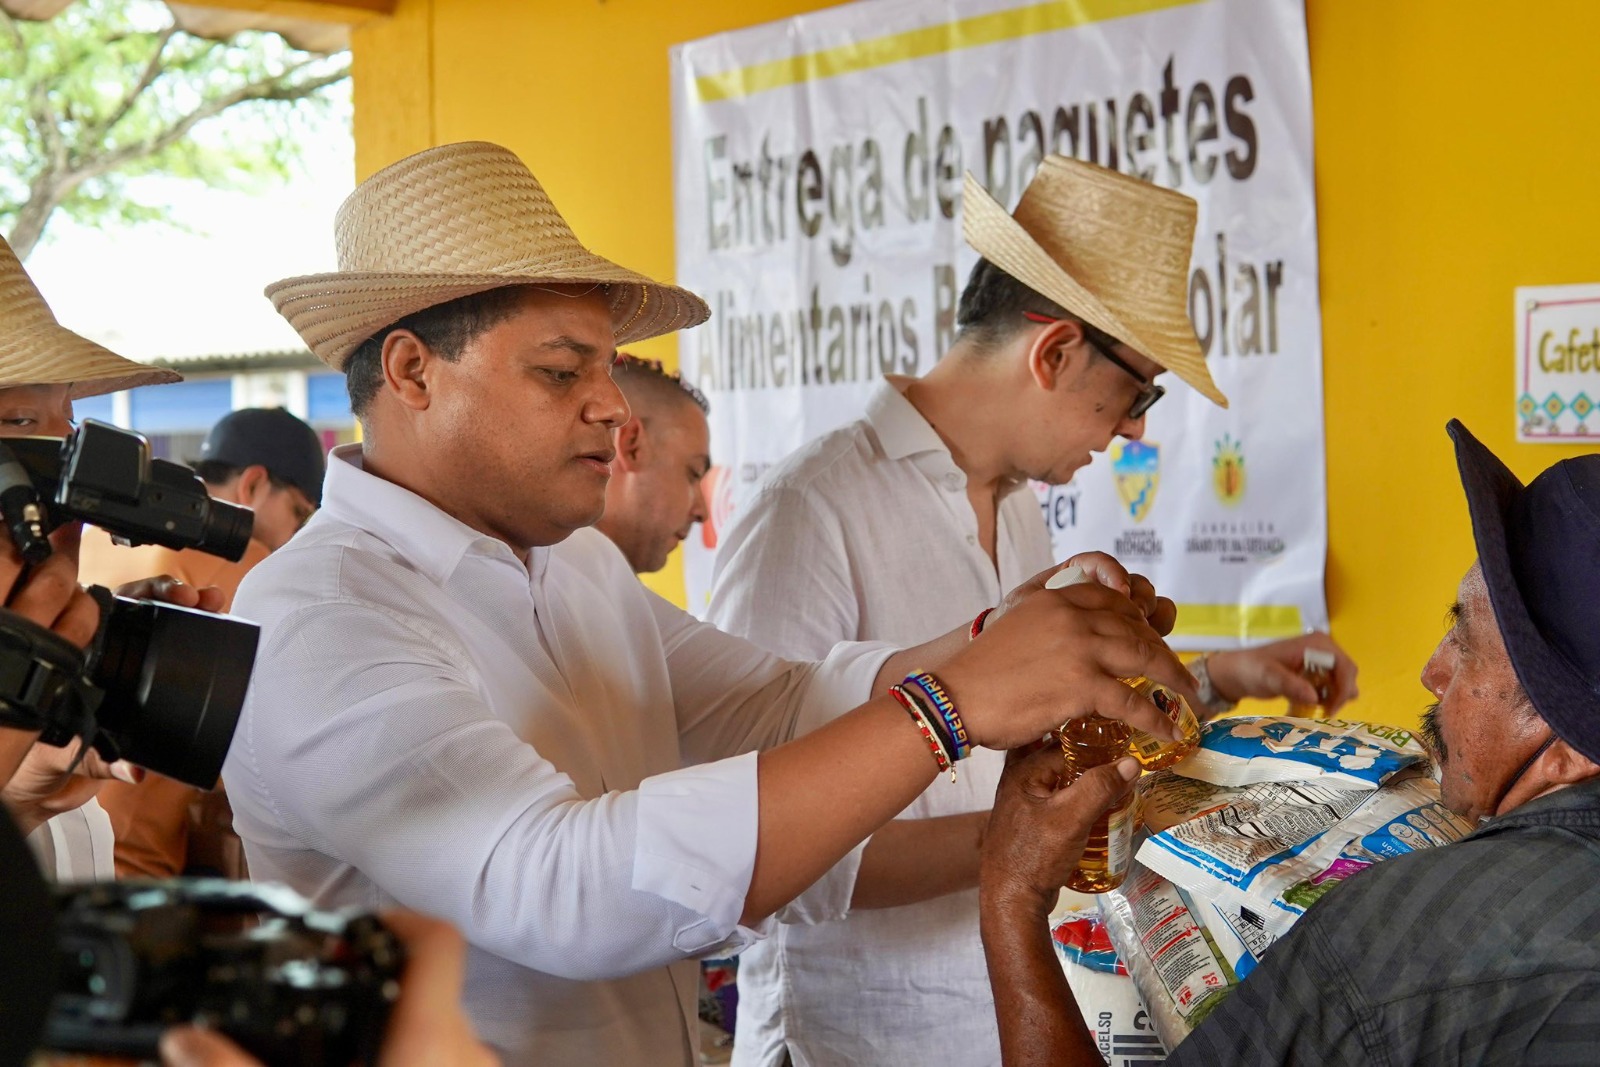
[1106,996]
[1248,750]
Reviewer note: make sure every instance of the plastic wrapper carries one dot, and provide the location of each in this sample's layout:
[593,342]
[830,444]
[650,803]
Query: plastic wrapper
[1106,996]
[1181,969]
[1274,849]
[1250,750]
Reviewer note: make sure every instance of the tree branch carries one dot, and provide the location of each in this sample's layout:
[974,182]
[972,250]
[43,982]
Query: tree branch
[152,71]
[272,89]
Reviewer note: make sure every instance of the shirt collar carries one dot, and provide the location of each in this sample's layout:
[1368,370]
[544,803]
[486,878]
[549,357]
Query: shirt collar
[430,539]
[1575,806]
[901,430]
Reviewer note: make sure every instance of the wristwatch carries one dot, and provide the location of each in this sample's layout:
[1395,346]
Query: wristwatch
[1212,702]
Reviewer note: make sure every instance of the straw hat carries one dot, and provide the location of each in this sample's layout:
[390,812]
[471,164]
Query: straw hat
[449,222]
[1109,248]
[37,350]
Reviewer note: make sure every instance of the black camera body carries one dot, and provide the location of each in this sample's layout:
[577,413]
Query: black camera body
[160,686]
[290,984]
[106,476]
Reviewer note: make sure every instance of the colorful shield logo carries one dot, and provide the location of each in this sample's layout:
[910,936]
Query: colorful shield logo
[1136,467]
[1227,470]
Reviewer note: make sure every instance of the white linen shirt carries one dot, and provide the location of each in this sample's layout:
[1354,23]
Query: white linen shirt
[77,845]
[867,533]
[434,725]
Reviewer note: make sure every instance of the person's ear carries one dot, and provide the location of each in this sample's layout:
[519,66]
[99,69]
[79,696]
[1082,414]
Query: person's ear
[407,364]
[1564,765]
[631,444]
[253,486]
[1056,354]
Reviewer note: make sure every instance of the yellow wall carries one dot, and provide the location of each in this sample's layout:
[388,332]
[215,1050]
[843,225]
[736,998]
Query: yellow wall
[1456,159]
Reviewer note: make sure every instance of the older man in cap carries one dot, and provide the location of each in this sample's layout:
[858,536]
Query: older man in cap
[916,518]
[1484,951]
[465,703]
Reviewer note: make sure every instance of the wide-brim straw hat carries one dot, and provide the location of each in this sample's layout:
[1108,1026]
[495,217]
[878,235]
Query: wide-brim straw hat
[37,350]
[449,222]
[1110,248]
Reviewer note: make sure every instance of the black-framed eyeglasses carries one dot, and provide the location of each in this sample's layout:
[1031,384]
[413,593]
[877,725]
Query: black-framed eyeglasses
[1104,343]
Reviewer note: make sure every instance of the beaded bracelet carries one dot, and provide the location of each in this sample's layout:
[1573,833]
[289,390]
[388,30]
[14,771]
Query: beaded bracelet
[977,624]
[941,729]
[946,708]
[919,717]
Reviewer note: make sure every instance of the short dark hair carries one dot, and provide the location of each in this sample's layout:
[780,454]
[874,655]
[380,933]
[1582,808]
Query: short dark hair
[992,304]
[445,328]
[213,473]
[637,377]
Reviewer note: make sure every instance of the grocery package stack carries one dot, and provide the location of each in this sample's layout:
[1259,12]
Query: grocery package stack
[1247,833]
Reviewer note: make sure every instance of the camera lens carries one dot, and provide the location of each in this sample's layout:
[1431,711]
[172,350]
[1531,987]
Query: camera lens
[174,682]
[227,530]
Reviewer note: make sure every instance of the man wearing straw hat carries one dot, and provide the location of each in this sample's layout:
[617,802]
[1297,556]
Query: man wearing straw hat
[1078,304]
[44,367]
[466,704]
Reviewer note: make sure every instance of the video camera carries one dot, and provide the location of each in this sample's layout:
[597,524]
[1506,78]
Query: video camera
[291,985]
[160,686]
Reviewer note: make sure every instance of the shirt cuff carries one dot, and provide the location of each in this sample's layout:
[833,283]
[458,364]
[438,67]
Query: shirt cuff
[696,848]
[842,682]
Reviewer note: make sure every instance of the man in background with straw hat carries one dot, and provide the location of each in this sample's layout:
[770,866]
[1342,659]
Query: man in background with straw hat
[466,704]
[1079,303]
[43,369]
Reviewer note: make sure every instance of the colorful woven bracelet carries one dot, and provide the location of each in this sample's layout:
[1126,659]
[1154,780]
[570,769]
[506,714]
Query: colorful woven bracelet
[941,729]
[925,728]
[946,709]
[977,624]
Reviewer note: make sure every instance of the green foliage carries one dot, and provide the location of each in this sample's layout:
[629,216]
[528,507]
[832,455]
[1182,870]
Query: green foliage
[109,91]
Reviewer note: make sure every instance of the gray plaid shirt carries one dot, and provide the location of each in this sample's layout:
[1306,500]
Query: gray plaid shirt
[1485,951]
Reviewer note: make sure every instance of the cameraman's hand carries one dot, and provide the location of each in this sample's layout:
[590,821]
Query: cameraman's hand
[50,595]
[171,590]
[428,1027]
[43,788]
[1160,612]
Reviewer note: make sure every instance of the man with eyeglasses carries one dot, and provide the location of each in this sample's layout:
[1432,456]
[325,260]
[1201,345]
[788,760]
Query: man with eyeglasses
[915,519]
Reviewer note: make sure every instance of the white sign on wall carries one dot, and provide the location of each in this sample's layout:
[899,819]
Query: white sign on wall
[818,165]
[1558,363]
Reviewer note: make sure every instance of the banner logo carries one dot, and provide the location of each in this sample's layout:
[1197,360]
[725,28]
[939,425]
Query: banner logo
[1227,470]
[1136,467]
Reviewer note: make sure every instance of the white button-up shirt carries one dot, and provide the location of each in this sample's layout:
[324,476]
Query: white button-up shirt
[867,533]
[77,845]
[434,725]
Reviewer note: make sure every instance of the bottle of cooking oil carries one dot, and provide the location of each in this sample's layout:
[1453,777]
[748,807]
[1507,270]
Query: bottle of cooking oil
[1317,668]
[1153,753]
[1086,743]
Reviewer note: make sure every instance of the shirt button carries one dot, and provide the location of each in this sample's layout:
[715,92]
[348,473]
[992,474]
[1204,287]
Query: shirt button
[972,539]
[952,481]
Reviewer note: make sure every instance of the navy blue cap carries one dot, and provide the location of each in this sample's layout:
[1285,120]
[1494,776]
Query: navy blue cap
[1539,545]
[271,438]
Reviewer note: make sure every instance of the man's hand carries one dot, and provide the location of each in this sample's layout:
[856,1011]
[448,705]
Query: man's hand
[43,788]
[1038,828]
[428,1027]
[1036,836]
[171,590]
[1160,612]
[1275,671]
[1057,655]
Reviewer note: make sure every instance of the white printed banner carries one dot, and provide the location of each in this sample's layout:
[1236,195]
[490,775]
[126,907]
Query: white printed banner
[818,165]
[1558,363]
